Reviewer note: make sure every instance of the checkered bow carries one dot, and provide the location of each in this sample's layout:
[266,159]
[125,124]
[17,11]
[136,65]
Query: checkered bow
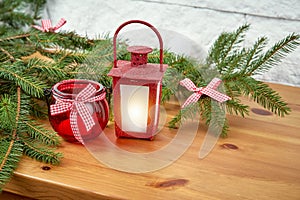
[47,25]
[209,90]
[78,107]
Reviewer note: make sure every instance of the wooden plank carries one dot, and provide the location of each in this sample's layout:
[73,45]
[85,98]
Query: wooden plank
[9,196]
[259,160]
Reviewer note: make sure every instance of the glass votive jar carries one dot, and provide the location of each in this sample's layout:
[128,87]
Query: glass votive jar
[78,109]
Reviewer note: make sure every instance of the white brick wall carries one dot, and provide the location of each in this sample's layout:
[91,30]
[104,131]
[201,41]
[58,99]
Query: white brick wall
[199,20]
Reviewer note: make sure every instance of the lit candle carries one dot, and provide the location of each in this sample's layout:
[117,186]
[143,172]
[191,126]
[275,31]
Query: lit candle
[134,108]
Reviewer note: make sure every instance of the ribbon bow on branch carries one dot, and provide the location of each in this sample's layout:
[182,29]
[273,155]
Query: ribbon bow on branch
[209,90]
[47,25]
[78,107]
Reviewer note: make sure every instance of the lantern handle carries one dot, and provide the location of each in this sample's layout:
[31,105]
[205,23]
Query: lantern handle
[150,26]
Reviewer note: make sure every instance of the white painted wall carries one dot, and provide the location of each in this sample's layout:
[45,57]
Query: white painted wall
[190,26]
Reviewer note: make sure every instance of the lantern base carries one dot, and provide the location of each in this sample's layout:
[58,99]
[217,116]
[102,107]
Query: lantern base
[133,135]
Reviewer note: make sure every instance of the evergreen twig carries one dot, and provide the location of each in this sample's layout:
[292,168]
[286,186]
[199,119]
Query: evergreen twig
[40,153]
[13,151]
[235,65]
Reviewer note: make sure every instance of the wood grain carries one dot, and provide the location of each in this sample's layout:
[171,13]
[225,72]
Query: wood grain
[259,160]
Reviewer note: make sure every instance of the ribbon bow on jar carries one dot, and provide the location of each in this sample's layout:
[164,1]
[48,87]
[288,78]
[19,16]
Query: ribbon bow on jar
[78,107]
[209,90]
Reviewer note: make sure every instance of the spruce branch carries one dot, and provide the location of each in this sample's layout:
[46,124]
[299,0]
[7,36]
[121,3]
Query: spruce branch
[217,121]
[224,45]
[28,83]
[37,8]
[7,112]
[11,58]
[13,37]
[170,84]
[236,65]
[37,131]
[188,112]
[269,99]
[41,153]
[46,69]
[274,55]
[254,52]
[234,106]
[11,148]
[14,130]
[262,94]
[213,113]
[9,158]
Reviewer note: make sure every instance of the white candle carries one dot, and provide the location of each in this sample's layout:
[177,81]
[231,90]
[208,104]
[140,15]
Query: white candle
[134,108]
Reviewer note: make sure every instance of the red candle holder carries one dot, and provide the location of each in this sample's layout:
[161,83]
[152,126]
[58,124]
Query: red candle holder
[67,92]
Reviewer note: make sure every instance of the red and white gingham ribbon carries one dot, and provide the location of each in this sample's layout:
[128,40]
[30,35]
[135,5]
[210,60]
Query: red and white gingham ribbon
[78,107]
[209,90]
[47,25]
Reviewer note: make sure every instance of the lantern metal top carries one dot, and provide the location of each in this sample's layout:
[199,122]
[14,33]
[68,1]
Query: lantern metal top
[138,68]
[139,55]
[139,49]
[143,72]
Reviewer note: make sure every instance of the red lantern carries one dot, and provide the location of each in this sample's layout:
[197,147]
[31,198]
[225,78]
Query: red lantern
[137,89]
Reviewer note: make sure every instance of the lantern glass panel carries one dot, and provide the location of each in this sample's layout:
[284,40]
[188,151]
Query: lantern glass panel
[134,108]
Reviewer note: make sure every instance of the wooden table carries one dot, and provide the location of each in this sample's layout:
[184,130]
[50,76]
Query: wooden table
[259,160]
